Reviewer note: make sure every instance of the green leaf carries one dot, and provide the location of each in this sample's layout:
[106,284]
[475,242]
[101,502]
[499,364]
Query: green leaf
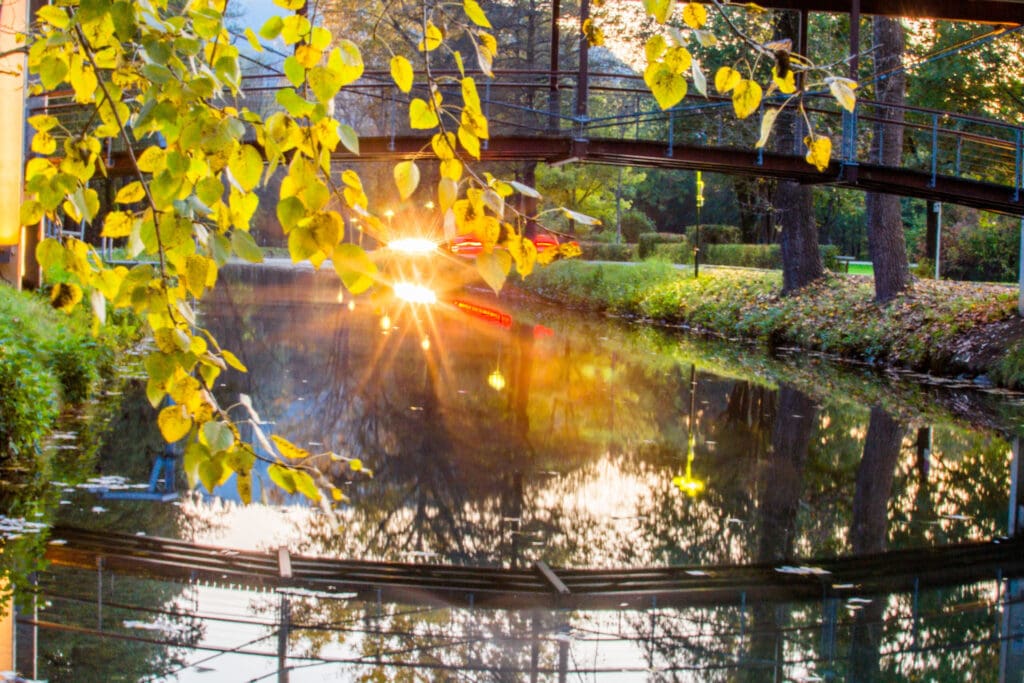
[349,138]
[213,473]
[31,212]
[294,72]
[407,178]
[355,268]
[243,244]
[246,166]
[272,28]
[195,455]
[305,485]
[283,477]
[401,72]
[494,268]
[293,103]
[217,436]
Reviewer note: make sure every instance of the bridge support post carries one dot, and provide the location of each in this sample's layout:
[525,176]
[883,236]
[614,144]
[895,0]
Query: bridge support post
[1020,272]
[1011,644]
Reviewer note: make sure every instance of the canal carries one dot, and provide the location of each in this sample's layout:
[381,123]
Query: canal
[503,433]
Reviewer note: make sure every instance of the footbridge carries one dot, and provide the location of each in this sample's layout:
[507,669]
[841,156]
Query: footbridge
[611,118]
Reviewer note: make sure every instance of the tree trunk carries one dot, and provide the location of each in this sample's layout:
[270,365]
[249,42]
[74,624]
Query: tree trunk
[885,221]
[794,204]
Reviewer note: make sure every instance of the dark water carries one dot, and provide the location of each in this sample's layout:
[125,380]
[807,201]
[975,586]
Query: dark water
[500,433]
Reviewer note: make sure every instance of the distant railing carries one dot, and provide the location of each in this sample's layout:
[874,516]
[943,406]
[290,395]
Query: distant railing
[619,106]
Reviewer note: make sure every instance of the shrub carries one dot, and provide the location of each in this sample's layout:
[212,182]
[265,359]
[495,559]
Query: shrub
[600,251]
[715,234]
[28,403]
[647,242]
[768,256]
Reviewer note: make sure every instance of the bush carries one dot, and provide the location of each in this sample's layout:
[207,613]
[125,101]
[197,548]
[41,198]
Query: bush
[601,251]
[47,358]
[28,403]
[715,234]
[647,242]
[767,256]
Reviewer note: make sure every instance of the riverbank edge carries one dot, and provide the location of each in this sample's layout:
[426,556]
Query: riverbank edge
[941,328]
[51,362]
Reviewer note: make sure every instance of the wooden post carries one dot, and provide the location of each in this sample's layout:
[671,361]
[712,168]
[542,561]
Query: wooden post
[14,242]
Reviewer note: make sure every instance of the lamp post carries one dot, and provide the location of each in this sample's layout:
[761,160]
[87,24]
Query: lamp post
[696,241]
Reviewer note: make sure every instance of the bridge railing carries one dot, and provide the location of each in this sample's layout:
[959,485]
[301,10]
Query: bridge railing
[619,106]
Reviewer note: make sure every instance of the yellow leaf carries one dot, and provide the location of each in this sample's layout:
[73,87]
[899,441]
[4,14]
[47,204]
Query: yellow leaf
[655,47]
[401,72]
[421,116]
[475,13]
[65,296]
[196,270]
[246,166]
[842,89]
[695,15]
[117,224]
[475,122]
[254,42]
[678,59]
[174,423]
[819,151]
[727,78]
[661,10]
[470,96]
[593,33]
[44,143]
[469,142]
[288,449]
[767,121]
[787,84]
[746,97]
[494,267]
[131,193]
[431,39]
[407,178]
[443,145]
[524,253]
[451,169]
[346,62]
[667,87]
[447,192]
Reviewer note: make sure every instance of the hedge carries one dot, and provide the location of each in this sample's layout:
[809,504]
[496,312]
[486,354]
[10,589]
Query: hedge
[605,251]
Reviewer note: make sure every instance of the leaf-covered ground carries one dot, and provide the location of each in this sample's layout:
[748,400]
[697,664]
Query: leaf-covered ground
[946,328]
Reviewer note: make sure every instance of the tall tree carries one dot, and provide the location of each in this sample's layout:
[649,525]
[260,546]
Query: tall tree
[794,203]
[886,242]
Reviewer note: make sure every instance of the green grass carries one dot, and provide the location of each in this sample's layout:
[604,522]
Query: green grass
[48,360]
[837,315]
[862,269]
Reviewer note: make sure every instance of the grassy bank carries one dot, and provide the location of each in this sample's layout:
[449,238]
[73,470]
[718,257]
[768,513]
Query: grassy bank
[48,361]
[947,328]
